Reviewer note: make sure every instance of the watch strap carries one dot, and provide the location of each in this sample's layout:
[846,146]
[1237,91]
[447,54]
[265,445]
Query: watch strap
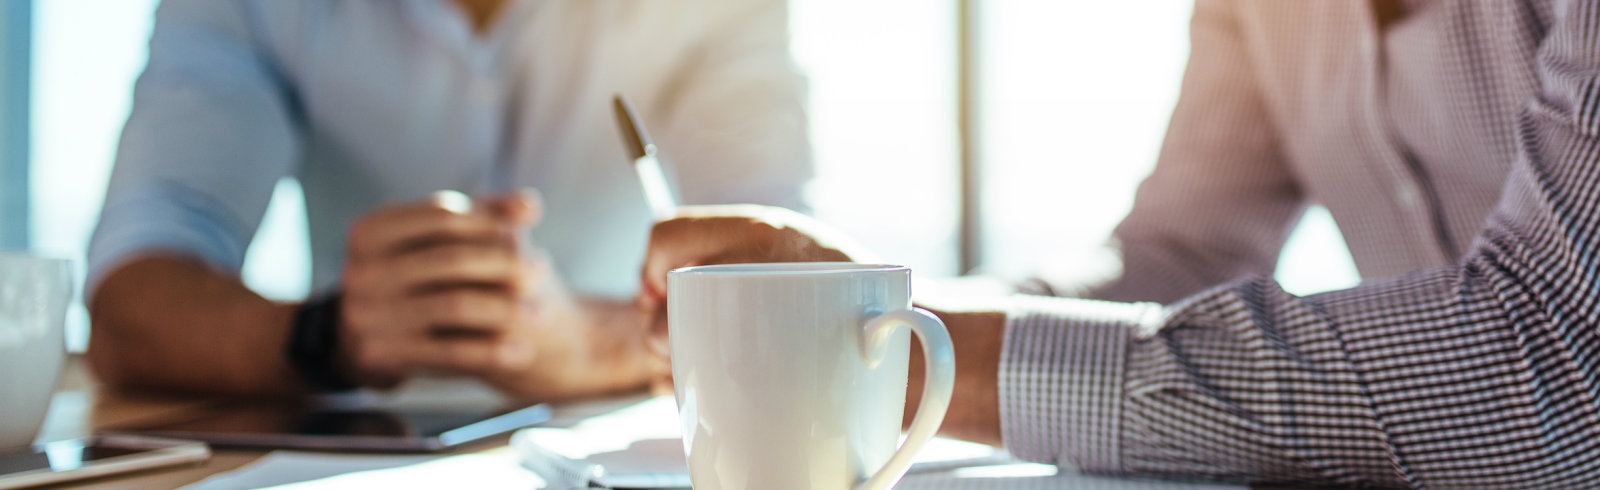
[313,348]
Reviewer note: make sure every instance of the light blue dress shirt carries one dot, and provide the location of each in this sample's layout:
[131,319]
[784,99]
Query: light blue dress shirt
[373,102]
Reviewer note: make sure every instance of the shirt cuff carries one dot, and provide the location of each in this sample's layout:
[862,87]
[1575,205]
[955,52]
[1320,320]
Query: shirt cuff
[1061,370]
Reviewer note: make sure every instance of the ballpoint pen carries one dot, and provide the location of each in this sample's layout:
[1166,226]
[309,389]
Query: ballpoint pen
[643,152]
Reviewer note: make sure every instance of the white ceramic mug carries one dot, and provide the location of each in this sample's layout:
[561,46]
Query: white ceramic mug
[793,376]
[34,293]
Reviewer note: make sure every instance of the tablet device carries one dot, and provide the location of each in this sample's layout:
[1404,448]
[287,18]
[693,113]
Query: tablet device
[77,459]
[301,426]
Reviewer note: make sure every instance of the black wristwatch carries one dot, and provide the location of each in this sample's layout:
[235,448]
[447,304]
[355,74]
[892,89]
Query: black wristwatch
[313,348]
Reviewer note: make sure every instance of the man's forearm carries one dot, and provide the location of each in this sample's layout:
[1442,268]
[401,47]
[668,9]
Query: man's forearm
[171,323]
[975,409]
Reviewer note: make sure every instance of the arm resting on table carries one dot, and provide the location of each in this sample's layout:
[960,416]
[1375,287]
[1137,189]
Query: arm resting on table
[173,323]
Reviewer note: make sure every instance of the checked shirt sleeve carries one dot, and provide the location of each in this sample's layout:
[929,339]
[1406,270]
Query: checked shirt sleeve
[1479,375]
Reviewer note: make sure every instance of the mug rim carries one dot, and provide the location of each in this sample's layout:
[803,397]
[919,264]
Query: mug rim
[785,269]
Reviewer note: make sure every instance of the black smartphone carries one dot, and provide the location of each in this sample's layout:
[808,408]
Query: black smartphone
[76,459]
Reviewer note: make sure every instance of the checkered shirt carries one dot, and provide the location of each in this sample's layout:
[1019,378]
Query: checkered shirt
[1458,148]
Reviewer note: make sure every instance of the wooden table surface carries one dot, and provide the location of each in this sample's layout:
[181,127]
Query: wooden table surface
[79,408]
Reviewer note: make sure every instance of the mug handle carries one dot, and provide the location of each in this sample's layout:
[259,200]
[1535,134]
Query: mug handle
[936,390]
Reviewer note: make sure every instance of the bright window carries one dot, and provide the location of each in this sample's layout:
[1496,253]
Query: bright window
[86,54]
[1076,98]
[883,122]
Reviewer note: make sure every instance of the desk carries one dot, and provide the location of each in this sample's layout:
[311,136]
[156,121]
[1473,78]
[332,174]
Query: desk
[79,408]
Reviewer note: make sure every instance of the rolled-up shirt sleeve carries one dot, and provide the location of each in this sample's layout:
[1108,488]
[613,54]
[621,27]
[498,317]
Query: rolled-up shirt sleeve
[1482,374]
[211,131]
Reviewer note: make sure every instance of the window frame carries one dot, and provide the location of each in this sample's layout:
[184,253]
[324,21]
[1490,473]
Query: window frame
[16,69]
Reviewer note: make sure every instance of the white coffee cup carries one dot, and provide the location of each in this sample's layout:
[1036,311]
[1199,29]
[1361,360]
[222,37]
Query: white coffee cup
[34,293]
[793,376]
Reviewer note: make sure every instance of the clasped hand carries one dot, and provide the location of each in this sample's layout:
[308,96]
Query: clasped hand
[449,284]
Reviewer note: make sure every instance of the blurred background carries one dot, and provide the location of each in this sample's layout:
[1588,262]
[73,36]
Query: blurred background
[1000,136]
